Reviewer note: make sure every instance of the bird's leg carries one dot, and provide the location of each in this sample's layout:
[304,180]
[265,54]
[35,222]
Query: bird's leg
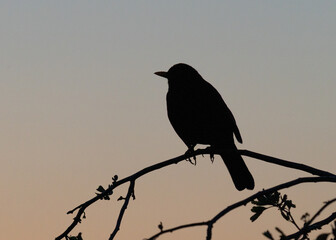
[190,151]
[212,155]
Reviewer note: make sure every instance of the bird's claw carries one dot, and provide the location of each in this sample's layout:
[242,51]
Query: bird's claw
[212,155]
[192,161]
[189,152]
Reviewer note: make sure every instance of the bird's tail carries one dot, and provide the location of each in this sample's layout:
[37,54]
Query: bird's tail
[241,176]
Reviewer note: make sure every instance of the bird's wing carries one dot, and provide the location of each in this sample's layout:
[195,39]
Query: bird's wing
[236,129]
[216,104]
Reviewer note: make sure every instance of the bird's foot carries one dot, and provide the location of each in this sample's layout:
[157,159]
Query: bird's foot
[189,152]
[212,155]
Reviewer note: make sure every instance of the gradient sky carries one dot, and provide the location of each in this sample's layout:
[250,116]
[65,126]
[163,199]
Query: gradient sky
[80,103]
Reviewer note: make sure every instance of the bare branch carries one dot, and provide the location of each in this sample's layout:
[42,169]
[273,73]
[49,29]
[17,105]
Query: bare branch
[312,227]
[122,211]
[285,163]
[270,190]
[81,208]
[308,226]
[197,224]
[321,210]
[245,201]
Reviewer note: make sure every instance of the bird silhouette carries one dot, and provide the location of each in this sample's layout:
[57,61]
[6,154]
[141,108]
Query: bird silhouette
[199,115]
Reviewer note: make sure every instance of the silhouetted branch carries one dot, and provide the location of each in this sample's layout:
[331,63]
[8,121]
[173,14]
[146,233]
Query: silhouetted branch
[321,210]
[312,227]
[285,163]
[81,208]
[308,226]
[132,178]
[130,193]
[212,221]
[197,224]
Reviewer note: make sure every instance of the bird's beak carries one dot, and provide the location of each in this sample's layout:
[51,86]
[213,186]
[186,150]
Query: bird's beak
[162,74]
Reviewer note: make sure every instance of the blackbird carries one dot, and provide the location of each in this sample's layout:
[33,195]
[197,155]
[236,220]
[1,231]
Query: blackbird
[199,115]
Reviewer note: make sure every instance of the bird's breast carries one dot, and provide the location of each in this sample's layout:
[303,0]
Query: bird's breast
[186,116]
[197,119]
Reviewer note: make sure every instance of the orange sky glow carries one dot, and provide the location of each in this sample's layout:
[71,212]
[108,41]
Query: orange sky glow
[80,103]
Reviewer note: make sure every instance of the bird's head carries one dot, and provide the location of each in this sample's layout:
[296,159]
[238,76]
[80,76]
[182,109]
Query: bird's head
[180,73]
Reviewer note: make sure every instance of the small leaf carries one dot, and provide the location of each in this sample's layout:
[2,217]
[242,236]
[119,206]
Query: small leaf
[274,198]
[79,236]
[263,199]
[255,216]
[290,204]
[115,178]
[285,215]
[160,226]
[305,217]
[258,209]
[268,235]
[280,231]
[284,198]
[100,189]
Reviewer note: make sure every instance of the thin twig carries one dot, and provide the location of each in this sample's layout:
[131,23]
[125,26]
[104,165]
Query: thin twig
[209,231]
[285,163]
[122,211]
[303,231]
[319,211]
[212,221]
[81,208]
[197,224]
[292,220]
[312,227]
[273,189]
